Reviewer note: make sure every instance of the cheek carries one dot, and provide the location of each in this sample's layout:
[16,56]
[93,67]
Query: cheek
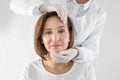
[66,40]
[66,37]
[45,41]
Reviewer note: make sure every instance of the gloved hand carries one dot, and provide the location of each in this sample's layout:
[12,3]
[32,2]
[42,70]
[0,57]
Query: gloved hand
[60,9]
[64,56]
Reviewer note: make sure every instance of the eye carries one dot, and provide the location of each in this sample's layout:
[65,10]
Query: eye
[48,32]
[61,31]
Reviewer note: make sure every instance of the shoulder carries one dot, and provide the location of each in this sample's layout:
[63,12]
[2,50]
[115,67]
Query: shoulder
[33,65]
[85,67]
[97,9]
[85,70]
[97,12]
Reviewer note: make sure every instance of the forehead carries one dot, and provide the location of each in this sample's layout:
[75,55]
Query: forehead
[54,22]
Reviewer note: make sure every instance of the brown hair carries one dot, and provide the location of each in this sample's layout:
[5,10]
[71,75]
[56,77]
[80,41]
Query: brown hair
[39,46]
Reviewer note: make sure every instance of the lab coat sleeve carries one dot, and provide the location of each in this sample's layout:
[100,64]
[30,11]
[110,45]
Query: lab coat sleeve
[90,73]
[26,7]
[89,49]
[25,73]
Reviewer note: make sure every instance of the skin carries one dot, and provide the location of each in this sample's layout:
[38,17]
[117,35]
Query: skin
[55,39]
[81,1]
[55,35]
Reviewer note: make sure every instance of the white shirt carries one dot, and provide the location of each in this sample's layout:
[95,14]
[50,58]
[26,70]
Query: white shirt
[88,20]
[36,71]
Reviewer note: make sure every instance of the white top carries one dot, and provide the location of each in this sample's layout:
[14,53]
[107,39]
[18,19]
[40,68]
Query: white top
[36,71]
[88,20]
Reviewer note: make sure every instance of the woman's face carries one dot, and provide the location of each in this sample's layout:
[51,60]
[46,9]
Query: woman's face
[55,36]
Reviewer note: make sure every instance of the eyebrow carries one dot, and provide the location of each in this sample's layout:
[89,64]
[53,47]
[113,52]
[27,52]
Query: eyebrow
[61,26]
[50,28]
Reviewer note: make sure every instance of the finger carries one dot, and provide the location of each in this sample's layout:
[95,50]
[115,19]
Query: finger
[61,13]
[64,52]
[59,56]
[58,12]
[59,60]
[65,19]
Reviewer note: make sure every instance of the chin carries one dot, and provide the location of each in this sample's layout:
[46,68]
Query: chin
[58,50]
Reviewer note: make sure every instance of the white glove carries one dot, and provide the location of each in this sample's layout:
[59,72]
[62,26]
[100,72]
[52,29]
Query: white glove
[60,9]
[64,56]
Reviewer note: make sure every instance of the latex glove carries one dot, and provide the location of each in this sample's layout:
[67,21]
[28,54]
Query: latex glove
[64,56]
[60,9]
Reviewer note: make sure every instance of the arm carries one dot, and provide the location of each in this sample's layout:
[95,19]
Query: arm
[25,7]
[89,49]
[32,7]
[90,73]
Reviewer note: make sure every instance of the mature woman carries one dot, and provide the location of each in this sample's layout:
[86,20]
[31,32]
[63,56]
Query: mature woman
[88,18]
[51,36]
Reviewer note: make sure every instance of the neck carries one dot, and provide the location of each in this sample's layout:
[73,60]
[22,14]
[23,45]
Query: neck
[55,65]
[81,1]
[57,68]
[50,62]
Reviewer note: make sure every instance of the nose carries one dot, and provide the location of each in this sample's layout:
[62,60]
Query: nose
[55,37]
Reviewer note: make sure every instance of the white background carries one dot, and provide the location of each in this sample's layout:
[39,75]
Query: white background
[16,42]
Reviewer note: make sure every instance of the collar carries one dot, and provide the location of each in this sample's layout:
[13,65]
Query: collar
[85,6]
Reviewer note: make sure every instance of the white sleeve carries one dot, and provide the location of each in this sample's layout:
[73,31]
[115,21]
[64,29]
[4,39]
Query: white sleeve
[89,49]
[25,7]
[90,73]
[25,73]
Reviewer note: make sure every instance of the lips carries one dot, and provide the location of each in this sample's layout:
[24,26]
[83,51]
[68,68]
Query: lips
[56,46]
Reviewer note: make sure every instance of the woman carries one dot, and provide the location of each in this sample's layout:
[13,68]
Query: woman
[52,35]
[87,15]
